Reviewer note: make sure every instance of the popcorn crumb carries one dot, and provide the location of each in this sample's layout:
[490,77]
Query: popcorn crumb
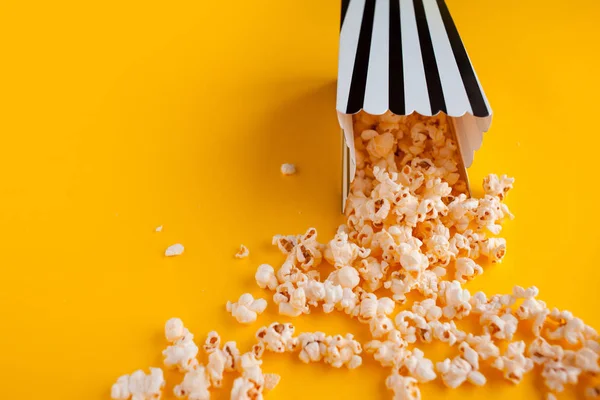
[158,228]
[174,250]
[288,169]
[243,252]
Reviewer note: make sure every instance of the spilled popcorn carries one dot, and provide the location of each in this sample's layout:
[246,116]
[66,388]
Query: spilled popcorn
[410,228]
[243,252]
[174,250]
[288,169]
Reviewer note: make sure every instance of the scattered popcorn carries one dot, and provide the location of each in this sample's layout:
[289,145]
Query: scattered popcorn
[174,250]
[265,277]
[246,310]
[513,363]
[139,386]
[278,337]
[181,354]
[288,169]
[194,386]
[410,228]
[243,252]
[404,388]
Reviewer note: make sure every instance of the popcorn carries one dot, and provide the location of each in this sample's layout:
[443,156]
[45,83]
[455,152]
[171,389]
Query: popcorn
[557,375]
[243,252]
[313,346]
[380,325]
[497,186]
[139,386]
[158,228]
[174,250]
[343,351]
[418,329]
[541,351]
[271,381]
[455,372]
[494,249]
[466,269]
[427,309]
[265,277]
[194,386]
[288,169]
[220,360]
[446,332]
[182,351]
[340,252]
[347,277]
[370,307]
[291,300]
[513,363]
[390,352]
[483,345]
[500,327]
[569,328]
[212,342]
[246,310]
[278,337]
[419,367]
[531,308]
[404,388]
[455,299]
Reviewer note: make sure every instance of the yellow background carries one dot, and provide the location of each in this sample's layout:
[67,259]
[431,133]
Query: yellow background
[117,117]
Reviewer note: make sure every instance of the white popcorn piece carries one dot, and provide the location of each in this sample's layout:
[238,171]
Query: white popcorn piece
[557,375]
[483,345]
[370,307]
[540,351]
[346,277]
[500,327]
[291,300]
[380,326]
[340,252]
[182,352]
[247,308]
[265,277]
[569,328]
[390,352]
[412,327]
[278,337]
[158,228]
[446,332]
[531,308]
[404,388]
[212,342]
[373,272]
[494,249]
[139,386]
[427,309]
[243,252]
[419,367]
[288,169]
[513,362]
[497,186]
[454,372]
[271,381]
[313,346]
[333,296]
[455,299]
[343,351]
[466,269]
[194,386]
[174,250]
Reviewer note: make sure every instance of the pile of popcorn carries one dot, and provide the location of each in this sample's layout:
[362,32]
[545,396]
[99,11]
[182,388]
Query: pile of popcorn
[410,229]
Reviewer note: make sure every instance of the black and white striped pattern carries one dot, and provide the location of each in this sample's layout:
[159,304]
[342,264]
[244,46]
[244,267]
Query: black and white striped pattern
[405,56]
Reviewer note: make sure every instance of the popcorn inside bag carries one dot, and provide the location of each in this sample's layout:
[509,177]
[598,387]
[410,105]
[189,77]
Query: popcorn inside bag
[410,229]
